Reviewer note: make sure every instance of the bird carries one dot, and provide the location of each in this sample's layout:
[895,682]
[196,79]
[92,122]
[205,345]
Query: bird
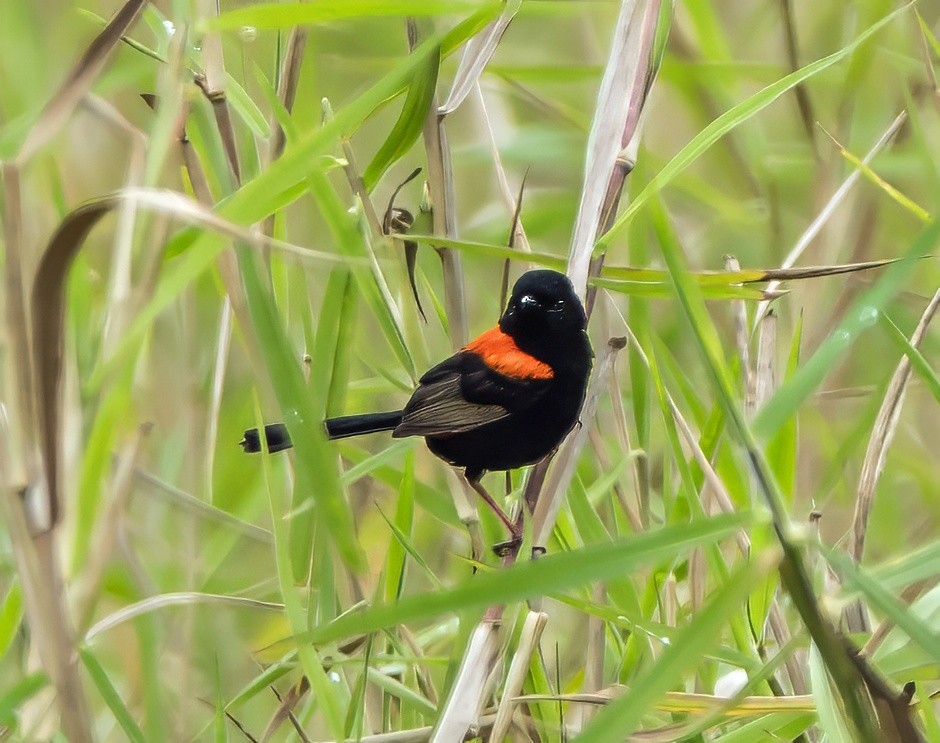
[504,401]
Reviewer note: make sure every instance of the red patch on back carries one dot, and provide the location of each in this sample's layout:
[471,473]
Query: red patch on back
[500,352]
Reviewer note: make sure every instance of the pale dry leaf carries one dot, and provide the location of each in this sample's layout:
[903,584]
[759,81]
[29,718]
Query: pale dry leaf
[616,116]
[518,669]
[463,707]
[476,55]
[167,600]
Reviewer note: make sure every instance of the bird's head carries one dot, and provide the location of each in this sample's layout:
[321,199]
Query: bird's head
[543,304]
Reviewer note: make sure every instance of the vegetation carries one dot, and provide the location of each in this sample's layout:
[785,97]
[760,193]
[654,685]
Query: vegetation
[200,235]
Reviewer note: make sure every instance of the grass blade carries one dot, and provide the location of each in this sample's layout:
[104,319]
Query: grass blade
[287,15]
[111,697]
[863,312]
[624,715]
[552,573]
[728,121]
[410,122]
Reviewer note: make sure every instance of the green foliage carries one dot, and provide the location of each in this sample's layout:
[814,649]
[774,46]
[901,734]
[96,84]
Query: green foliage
[270,295]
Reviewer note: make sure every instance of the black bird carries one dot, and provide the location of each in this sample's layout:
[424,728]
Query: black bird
[505,400]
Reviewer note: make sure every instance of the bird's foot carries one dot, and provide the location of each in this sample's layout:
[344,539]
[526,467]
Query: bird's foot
[509,547]
[538,552]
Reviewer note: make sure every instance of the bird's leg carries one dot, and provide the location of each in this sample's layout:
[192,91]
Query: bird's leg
[515,528]
[508,549]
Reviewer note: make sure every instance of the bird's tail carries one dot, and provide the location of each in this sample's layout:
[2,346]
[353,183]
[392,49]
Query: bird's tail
[354,425]
[277,438]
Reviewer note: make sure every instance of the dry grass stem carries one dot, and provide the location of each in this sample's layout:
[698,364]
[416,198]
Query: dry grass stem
[879,443]
[529,638]
[553,493]
[619,103]
[475,678]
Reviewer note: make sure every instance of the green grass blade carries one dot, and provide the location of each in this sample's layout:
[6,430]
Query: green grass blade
[884,602]
[303,409]
[11,614]
[369,279]
[780,726]
[111,697]
[13,697]
[918,362]
[287,15]
[410,122]
[861,315]
[550,574]
[404,521]
[622,716]
[246,107]
[829,707]
[330,359]
[914,566]
[729,120]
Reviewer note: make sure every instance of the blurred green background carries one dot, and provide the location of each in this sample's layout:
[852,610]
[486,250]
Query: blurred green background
[178,509]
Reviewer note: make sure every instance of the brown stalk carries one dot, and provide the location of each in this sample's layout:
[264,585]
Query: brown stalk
[285,709]
[47,315]
[223,121]
[441,192]
[354,177]
[18,332]
[793,59]
[50,627]
[762,383]
[287,83]
[212,84]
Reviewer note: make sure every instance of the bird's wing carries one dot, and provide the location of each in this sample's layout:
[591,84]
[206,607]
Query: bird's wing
[461,394]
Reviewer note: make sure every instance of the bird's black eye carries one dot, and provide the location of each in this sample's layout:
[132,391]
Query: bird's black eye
[527,300]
